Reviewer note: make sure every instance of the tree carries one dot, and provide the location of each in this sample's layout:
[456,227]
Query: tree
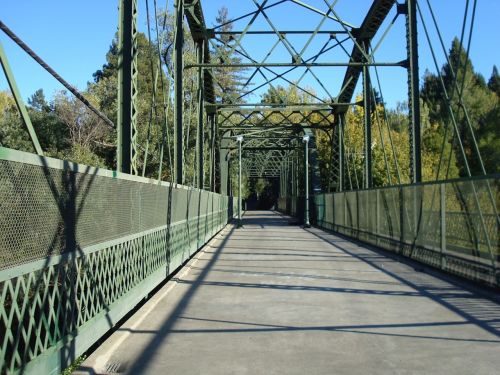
[228,81]
[104,90]
[51,131]
[494,82]
[13,133]
[470,108]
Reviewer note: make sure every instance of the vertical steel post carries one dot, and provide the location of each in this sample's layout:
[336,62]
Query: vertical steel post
[283,166]
[368,126]
[224,165]
[442,222]
[297,193]
[413,92]
[296,174]
[19,100]
[211,121]
[341,151]
[287,177]
[377,216]
[240,141]
[127,88]
[200,141]
[401,220]
[306,181]
[344,207]
[179,90]
[281,183]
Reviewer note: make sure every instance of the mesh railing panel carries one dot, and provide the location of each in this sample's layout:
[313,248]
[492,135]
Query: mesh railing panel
[79,245]
[452,225]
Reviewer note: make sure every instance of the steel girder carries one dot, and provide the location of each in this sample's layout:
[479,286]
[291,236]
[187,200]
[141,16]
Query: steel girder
[365,33]
[282,119]
[127,88]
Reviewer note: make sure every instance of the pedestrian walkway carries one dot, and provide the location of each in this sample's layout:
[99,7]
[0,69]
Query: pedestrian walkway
[274,298]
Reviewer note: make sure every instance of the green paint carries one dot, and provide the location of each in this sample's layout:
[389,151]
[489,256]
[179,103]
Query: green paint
[128,238]
[19,100]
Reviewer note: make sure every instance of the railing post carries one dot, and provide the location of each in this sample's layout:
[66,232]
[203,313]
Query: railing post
[19,100]
[357,214]
[211,122]
[413,92]
[200,141]
[306,179]
[344,206]
[442,224]
[240,141]
[178,90]
[401,220]
[367,104]
[127,88]
[377,216]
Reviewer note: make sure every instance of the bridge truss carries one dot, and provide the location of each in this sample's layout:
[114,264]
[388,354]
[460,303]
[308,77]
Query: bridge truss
[81,246]
[273,126]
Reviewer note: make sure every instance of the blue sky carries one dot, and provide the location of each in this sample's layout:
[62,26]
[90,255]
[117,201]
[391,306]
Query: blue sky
[74,36]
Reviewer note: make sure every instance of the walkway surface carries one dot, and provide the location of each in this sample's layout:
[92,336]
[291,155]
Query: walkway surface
[272,298]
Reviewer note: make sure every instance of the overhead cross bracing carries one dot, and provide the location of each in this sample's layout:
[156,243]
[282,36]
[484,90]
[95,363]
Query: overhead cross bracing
[305,59]
[81,246]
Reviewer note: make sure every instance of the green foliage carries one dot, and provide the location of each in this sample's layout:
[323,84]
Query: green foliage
[494,82]
[52,132]
[260,185]
[245,185]
[228,82]
[13,133]
[82,155]
[469,117]
[67,129]
[74,366]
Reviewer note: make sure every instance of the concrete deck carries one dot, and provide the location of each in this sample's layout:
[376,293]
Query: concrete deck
[272,298]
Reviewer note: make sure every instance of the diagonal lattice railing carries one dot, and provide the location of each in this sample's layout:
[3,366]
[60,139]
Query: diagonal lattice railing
[450,225]
[80,247]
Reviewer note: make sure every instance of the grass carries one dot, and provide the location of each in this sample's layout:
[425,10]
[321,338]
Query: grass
[69,370]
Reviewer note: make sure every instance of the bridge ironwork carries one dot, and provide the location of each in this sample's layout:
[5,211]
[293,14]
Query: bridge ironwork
[81,246]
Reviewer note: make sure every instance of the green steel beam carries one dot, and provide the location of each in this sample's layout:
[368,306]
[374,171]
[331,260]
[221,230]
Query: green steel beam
[212,33]
[200,142]
[376,15]
[213,134]
[197,26]
[306,181]
[413,92]
[283,108]
[402,64]
[9,75]
[224,165]
[258,148]
[337,161]
[240,141]
[341,161]
[318,11]
[303,106]
[271,127]
[367,123]
[247,137]
[178,90]
[127,88]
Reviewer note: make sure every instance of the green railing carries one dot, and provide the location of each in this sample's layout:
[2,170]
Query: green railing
[452,225]
[80,247]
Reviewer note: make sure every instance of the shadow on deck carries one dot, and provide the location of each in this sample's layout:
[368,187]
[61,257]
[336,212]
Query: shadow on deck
[274,298]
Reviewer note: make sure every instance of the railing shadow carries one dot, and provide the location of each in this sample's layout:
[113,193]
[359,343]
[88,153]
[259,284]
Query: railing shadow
[484,313]
[141,363]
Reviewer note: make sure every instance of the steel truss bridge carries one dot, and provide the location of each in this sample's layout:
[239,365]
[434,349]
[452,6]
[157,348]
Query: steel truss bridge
[81,247]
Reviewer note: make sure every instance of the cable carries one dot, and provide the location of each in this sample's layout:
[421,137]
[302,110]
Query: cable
[52,72]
